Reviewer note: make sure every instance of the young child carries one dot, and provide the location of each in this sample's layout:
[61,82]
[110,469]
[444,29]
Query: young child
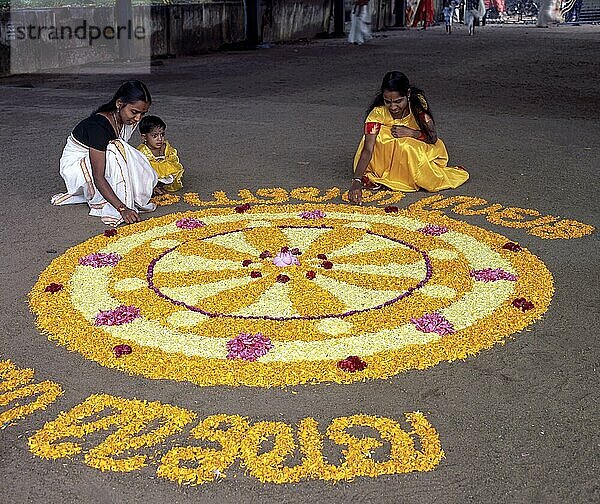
[162,156]
[448,15]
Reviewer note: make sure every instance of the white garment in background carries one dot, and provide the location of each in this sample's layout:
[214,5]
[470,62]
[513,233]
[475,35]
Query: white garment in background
[127,171]
[471,14]
[360,28]
[549,12]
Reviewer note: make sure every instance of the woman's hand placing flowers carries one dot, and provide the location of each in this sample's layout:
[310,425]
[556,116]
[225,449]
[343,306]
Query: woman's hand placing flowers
[129,216]
[355,192]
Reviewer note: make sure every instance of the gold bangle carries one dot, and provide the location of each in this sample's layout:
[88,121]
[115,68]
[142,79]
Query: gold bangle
[121,208]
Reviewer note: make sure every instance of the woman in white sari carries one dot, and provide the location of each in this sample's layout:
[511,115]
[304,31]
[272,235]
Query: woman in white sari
[101,169]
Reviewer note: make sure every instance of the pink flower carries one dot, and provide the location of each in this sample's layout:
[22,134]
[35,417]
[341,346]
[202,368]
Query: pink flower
[283,259]
[513,247]
[391,209]
[53,287]
[248,346]
[352,364]
[100,259]
[110,232]
[189,223]
[283,278]
[433,230]
[433,322]
[327,265]
[255,274]
[119,316]
[312,214]
[120,350]
[311,275]
[492,275]
[242,208]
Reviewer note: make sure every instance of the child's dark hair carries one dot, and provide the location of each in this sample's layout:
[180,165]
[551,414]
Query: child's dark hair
[397,81]
[148,123]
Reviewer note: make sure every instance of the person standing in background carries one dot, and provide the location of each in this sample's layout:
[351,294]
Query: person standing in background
[448,14]
[424,13]
[361,21]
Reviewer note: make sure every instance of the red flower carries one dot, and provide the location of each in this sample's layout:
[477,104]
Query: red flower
[296,251]
[513,247]
[352,364]
[265,254]
[283,278]
[391,209]
[311,275]
[327,264]
[120,350]
[285,249]
[53,287]
[242,208]
[522,304]
[110,232]
[255,274]
[246,262]
[323,257]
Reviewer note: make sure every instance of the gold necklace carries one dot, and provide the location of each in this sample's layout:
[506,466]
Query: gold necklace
[115,126]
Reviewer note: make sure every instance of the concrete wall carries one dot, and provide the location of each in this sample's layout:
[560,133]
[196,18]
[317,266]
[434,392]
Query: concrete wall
[283,20]
[179,30]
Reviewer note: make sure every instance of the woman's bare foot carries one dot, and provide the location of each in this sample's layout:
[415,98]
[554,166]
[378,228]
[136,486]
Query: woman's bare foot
[158,191]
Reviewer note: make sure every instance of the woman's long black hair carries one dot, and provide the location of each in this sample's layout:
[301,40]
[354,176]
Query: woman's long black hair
[397,81]
[130,92]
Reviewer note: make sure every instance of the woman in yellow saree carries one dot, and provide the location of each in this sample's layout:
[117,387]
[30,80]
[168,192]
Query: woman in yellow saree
[400,148]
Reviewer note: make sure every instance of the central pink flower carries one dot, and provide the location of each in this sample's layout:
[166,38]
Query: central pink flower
[283,259]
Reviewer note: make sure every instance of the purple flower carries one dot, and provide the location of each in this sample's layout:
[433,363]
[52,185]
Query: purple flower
[53,287]
[100,259]
[312,214]
[352,364]
[433,230]
[242,208]
[119,316]
[189,223]
[492,275]
[283,259]
[120,350]
[513,247]
[433,322]
[248,346]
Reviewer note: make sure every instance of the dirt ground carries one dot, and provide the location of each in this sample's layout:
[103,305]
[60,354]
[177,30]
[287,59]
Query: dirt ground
[516,105]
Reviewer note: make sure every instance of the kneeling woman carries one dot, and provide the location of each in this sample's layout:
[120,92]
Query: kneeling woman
[101,169]
[400,148]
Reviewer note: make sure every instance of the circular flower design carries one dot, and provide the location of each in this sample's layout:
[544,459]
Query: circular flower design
[356,282]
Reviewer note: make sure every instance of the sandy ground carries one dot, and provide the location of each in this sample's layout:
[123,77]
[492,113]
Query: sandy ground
[517,106]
